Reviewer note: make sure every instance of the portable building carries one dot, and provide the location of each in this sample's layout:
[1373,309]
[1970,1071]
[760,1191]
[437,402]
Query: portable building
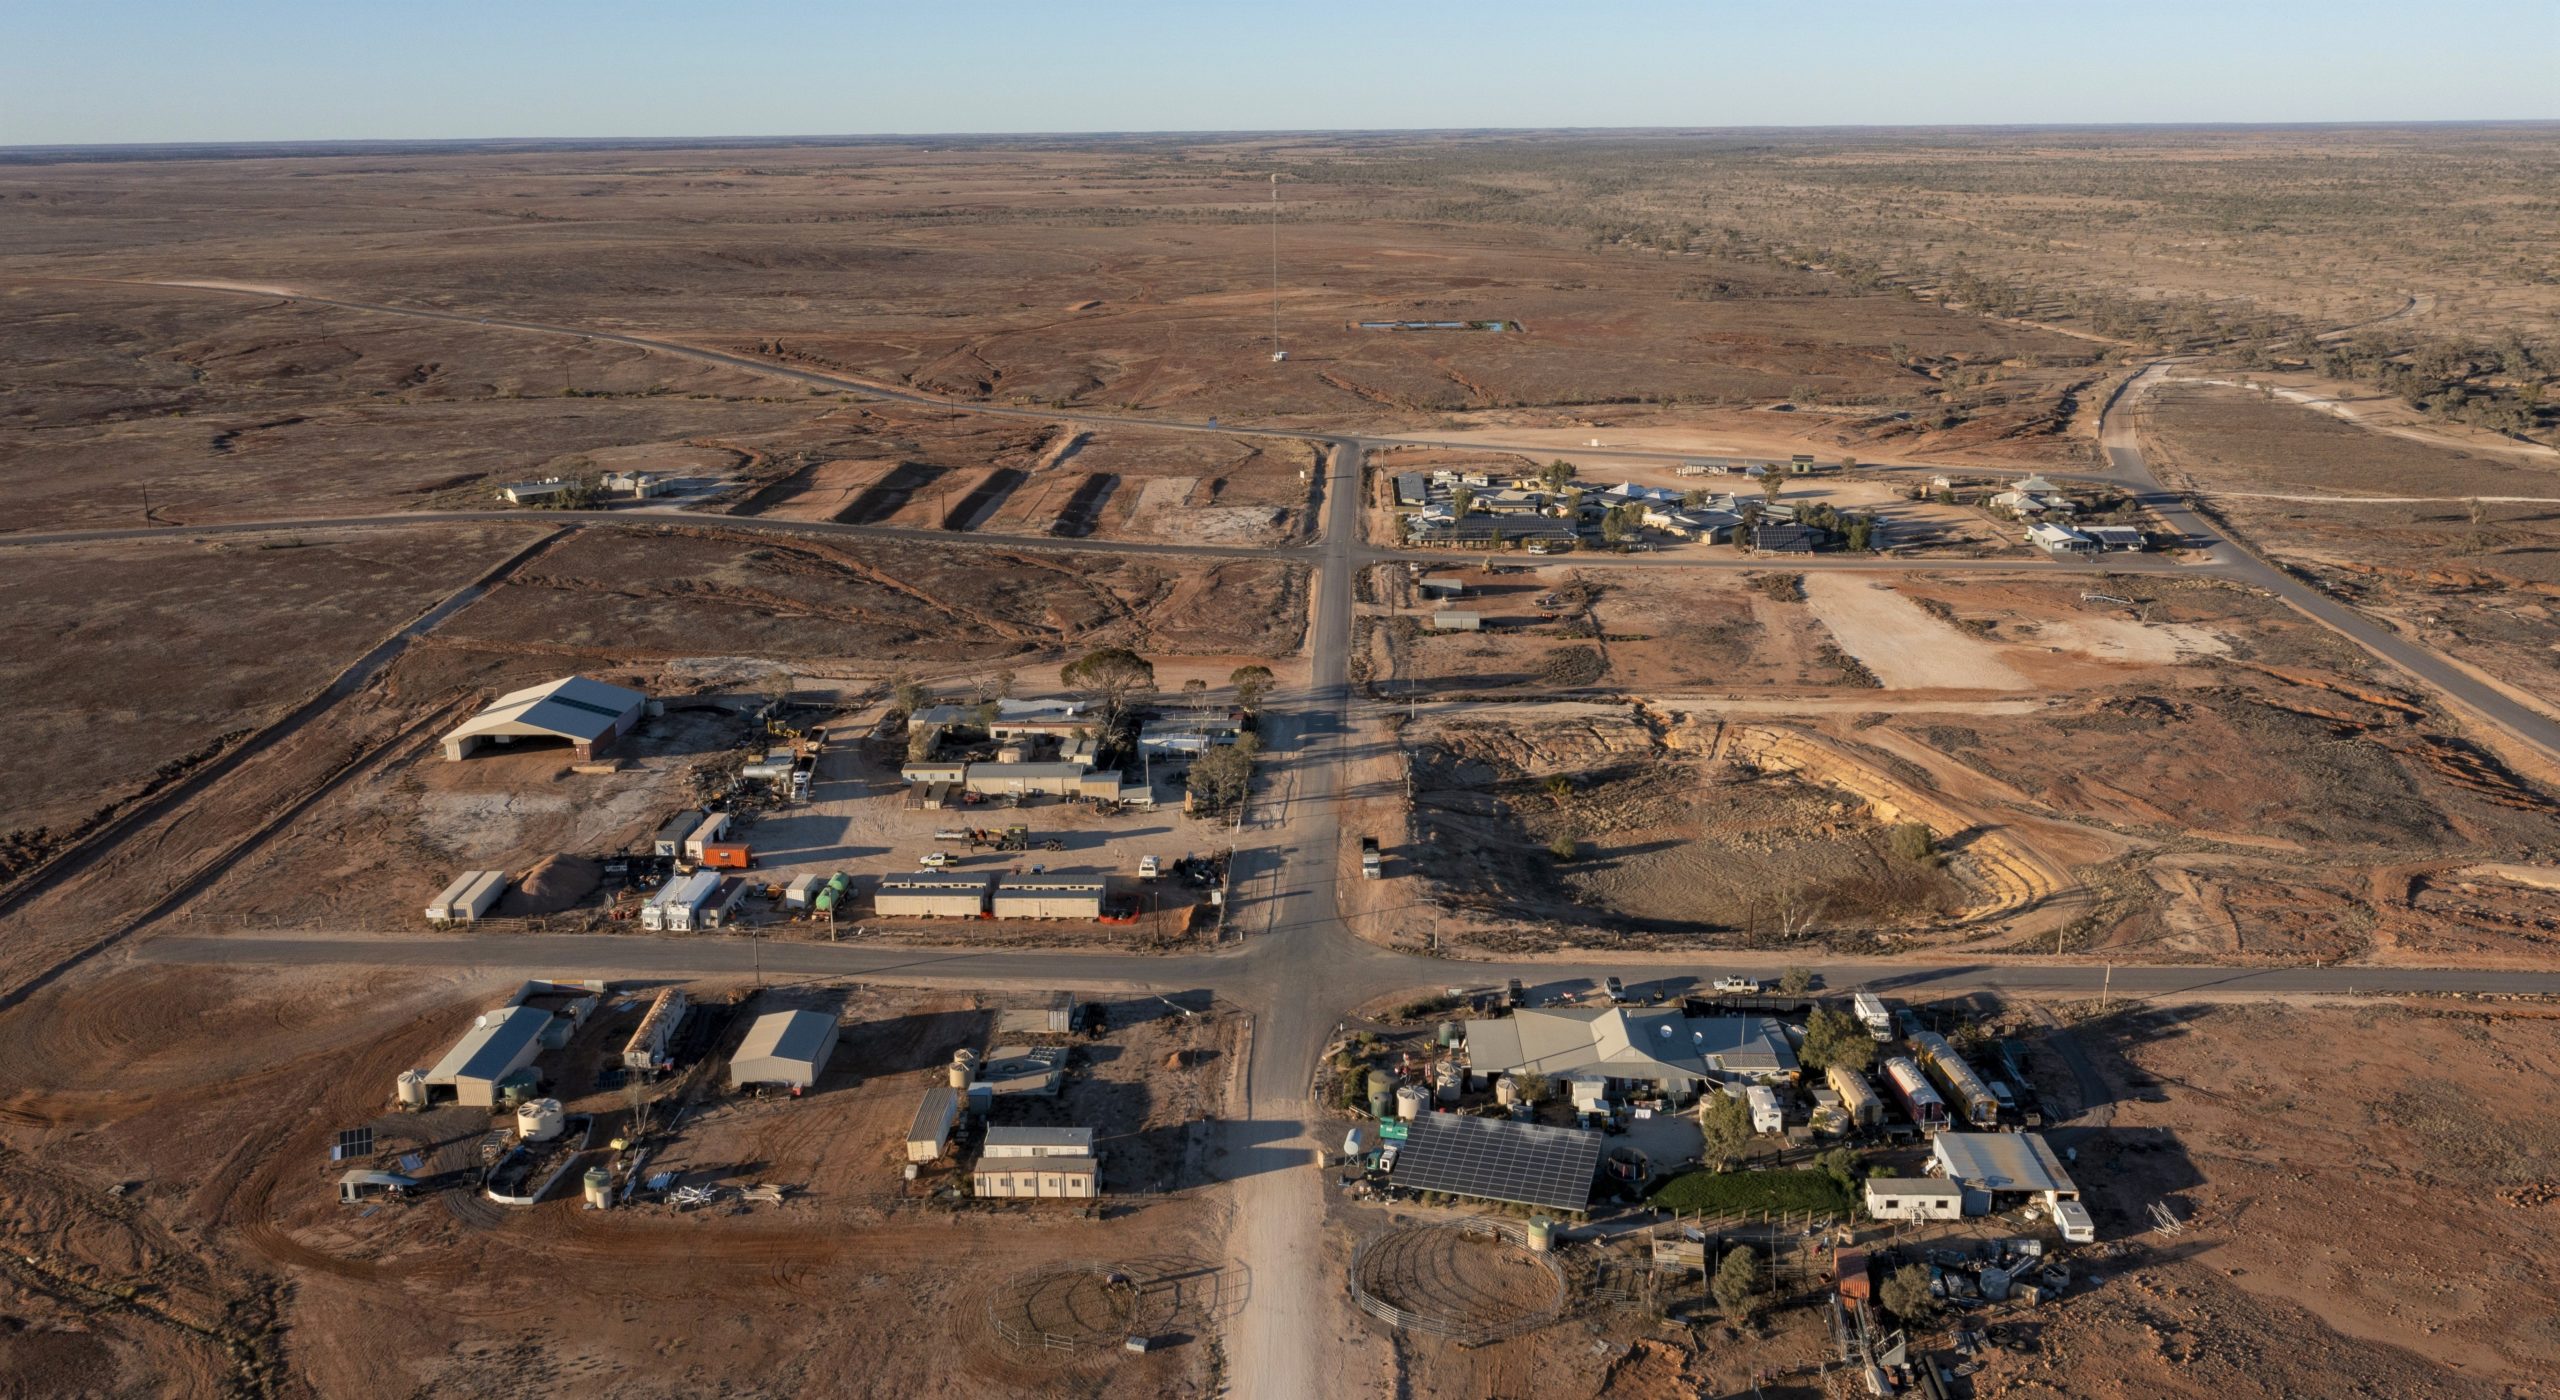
[784,1047]
[470,896]
[647,1049]
[801,890]
[710,829]
[1857,1097]
[1044,779]
[1038,1142]
[722,906]
[927,774]
[727,855]
[1037,1178]
[1914,1198]
[1457,620]
[934,1117]
[1037,898]
[1871,1014]
[498,1044]
[932,896]
[653,915]
[669,841]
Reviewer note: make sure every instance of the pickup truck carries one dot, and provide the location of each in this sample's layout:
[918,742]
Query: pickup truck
[1738,986]
[1371,865]
[934,860]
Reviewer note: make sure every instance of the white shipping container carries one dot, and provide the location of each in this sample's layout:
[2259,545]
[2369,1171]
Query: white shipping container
[801,890]
[470,896]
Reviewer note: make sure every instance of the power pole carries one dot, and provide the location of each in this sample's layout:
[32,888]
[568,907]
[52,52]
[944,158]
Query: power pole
[1276,351]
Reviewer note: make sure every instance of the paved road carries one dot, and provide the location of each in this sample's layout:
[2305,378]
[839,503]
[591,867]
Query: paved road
[2426,666]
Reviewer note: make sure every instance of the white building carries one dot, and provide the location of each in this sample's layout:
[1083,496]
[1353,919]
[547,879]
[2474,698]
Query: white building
[1914,1198]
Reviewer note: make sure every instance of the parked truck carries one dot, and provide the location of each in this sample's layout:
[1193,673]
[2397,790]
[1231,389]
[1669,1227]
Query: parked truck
[1371,864]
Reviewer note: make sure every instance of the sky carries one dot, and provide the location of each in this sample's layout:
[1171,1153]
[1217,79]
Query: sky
[266,70]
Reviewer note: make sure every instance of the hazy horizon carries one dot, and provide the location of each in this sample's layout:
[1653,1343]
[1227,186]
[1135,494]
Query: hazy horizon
[272,72]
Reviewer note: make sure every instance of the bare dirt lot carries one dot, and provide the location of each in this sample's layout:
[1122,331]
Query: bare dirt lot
[2429,546]
[147,659]
[246,1271]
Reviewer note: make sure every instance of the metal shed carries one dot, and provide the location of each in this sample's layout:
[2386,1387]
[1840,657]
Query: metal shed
[954,896]
[934,1117]
[588,714]
[669,841]
[784,1047]
[498,1044]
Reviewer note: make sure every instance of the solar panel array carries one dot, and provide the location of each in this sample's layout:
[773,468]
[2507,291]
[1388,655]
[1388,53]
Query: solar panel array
[1499,1160]
[352,1142]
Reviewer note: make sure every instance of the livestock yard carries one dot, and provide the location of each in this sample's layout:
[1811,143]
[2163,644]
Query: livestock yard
[1281,766]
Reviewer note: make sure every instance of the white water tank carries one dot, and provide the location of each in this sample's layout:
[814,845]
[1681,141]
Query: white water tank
[540,1120]
[413,1088]
[1506,1091]
[1412,1101]
[1449,1078]
[964,1069]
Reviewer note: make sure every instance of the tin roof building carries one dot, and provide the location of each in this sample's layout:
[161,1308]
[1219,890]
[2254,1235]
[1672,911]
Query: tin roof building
[498,1044]
[586,714]
[784,1047]
[1677,1053]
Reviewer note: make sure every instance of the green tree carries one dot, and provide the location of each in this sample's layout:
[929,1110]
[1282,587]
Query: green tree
[1534,1087]
[1461,501]
[1219,777]
[1613,527]
[1771,482]
[1795,981]
[1252,683]
[1726,1122]
[1558,475]
[1737,1285]
[1194,691]
[907,693]
[1841,1165]
[1834,1037]
[1858,532]
[1906,1293]
[1914,842]
[1110,678]
[1565,847]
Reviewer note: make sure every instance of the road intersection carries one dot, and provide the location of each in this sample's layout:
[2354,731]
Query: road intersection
[1296,966]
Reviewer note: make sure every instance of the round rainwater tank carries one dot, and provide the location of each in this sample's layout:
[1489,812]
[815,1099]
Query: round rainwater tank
[960,1075]
[1382,1105]
[599,1187]
[1381,1082]
[839,883]
[1449,1079]
[540,1120]
[1412,1101]
[1448,1032]
[1506,1091]
[413,1088]
[1542,1235]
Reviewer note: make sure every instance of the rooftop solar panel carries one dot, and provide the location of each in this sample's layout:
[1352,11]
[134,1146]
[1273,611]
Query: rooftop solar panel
[1498,1160]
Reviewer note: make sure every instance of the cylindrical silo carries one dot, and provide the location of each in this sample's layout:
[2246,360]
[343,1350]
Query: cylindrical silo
[1448,1078]
[413,1088]
[1382,1105]
[1381,1082]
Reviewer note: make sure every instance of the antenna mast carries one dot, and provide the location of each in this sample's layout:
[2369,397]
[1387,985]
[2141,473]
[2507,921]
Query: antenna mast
[1277,354]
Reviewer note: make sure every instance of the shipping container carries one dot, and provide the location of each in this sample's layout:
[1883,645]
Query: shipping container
[471,896]
[670,839]
[727,855]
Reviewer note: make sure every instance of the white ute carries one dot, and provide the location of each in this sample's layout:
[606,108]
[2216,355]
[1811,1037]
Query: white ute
[1738,986]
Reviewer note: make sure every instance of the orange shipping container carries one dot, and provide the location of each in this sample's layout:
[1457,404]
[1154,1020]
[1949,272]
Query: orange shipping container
[726,855]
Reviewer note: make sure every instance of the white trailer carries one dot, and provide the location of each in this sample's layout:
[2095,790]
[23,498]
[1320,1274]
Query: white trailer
[801,890]
[653,915]
[713,828]
[648,1047]
[471,896]
[1765,1114]
[1871,1014]
[690,894]
[669,842]
[716,911]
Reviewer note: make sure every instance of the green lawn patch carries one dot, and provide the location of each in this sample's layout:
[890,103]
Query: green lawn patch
[1727,1193]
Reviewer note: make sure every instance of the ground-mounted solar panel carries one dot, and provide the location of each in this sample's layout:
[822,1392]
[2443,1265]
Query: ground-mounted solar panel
[352,1143]
[1496,1159]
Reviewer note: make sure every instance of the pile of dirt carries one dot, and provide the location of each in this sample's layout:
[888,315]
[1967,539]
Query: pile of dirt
[555,883]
